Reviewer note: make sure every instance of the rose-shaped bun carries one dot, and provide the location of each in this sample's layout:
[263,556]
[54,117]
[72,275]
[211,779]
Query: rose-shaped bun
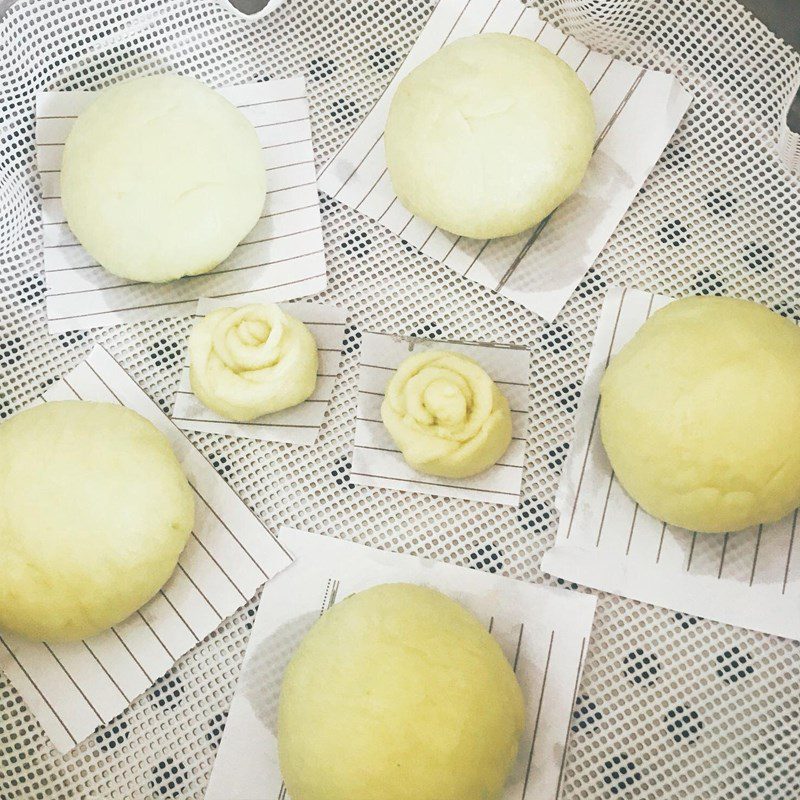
[250,361]
[446,415]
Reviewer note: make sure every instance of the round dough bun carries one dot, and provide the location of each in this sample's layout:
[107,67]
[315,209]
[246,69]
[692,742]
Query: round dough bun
[398,693]
[489,135]
[700,415]
[94,512]
[161,177]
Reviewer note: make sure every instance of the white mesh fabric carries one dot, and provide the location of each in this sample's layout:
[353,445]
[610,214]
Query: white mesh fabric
[670,706]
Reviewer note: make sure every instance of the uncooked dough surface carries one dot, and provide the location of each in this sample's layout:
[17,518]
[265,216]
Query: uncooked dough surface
[488,136]
[94,512]
[250,361]
[446,415]
[398,693]
[161,177]
[700,415]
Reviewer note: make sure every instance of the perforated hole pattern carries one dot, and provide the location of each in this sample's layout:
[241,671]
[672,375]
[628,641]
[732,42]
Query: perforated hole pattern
[671,706]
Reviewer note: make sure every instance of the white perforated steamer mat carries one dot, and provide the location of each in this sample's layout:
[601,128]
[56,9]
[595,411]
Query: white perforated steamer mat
[670,707]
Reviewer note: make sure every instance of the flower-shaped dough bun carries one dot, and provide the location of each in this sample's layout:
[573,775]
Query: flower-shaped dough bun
[446,415]
[250,361]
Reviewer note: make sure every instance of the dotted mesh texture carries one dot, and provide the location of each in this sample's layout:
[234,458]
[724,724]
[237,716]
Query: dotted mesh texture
[671,706]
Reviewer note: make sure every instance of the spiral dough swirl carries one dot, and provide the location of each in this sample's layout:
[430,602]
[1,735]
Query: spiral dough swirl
[250,361]
[446,415]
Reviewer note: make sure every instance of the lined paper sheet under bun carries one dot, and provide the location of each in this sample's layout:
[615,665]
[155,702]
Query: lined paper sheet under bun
[636,112]
[377,461]
[298,425]
[282,255]
[543,632]
[75,687]
[605,540]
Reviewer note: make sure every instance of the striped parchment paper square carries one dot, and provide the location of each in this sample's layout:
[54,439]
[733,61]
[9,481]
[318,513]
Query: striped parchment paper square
[297,425]
[544,633]
[282,255]
[75,687]
[636,110]
[605,540]
[377,461]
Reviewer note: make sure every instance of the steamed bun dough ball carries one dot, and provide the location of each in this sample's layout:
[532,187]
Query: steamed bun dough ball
[250,361]
[398,693]
[488,136]
[161,177]
[700,415]
[94,512]
[446,415]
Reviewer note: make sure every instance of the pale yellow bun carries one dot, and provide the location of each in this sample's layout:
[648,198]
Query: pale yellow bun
[446,415]
[700,415]
[94,512]
[161,177]
[250,361]
[398,693]
[488,136]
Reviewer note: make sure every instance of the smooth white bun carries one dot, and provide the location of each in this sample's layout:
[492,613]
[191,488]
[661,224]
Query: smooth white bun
[398,693]
[488,136]
[700,415]
[161,177]
[94,512]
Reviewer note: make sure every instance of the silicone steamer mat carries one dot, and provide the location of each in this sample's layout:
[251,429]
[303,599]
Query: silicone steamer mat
[74,687]
[749,578]
[281,257]
[636,110]
[543,632]
[670,706]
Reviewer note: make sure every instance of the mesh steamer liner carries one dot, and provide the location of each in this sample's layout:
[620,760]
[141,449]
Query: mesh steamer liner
[670,706]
